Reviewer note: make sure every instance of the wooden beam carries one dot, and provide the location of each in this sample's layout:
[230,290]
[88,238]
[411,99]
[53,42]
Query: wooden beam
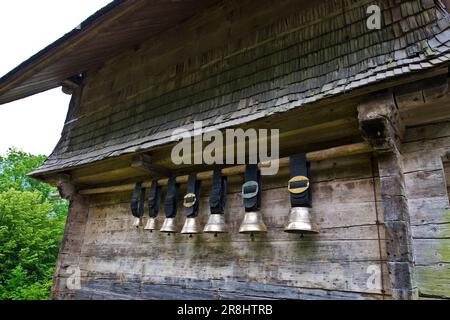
[347,150]
[57,52]
[71,245]
[144,162]
[66,188]
[382,127]
[71,84]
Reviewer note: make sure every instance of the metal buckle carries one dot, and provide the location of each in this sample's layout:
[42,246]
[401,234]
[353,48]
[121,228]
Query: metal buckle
[189,204]
[251,194]
[298,179]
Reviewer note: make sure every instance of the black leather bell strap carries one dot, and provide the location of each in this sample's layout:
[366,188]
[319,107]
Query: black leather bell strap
[170,203]
[299,184]
[154,199]
[138,201]
[218,197]
[191,200]
[251,189]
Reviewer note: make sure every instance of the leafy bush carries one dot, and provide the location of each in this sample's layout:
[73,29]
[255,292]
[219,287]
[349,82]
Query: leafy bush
[31,229]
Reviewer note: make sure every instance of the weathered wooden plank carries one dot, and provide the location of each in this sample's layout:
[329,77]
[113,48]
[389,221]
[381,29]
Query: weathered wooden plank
[106,287]
[427,132]
[125,235]
[427,113]
[425,184]
[429,210]
[432,251]
[434,280]
[436,146]
[422,160]
[432,230]
[363,277]
[292,251]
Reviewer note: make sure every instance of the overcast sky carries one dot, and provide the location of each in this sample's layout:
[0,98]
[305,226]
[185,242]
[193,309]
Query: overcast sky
[34,124]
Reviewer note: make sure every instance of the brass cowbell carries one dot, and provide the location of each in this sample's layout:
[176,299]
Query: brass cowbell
[253,223]
[151,224]
[169,226]
[191,226]
[216,224]
[300,221]
[138,222]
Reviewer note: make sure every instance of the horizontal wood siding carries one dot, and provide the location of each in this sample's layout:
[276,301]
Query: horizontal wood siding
[424,151]
[118,261]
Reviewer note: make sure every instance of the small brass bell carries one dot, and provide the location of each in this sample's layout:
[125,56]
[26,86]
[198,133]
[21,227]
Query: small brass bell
[253,223]
[138,223]
[191,226]
[300,221]
[169,226]
[151,224]
[216,224]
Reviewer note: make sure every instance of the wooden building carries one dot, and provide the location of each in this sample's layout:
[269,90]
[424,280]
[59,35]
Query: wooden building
[369,106]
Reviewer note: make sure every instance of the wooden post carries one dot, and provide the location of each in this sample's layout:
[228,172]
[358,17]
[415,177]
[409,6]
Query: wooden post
[382,127]
[66,188]
[67,273]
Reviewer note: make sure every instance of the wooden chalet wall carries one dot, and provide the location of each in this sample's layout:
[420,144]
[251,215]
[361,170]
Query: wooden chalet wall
[344,261]
[118,261]
[143,92]
[425,152]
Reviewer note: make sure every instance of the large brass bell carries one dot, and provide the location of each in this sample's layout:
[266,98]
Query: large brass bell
[151,224]
[253,223]
[169,226]
[191,226]
[138,222]
[216,224]
[300,221]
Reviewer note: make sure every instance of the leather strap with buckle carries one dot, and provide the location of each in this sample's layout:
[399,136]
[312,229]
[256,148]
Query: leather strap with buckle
[251,189]
[191,203]
[298,184]
[189,200]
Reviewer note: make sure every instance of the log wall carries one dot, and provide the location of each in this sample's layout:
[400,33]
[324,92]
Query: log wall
[345,261]
[426,172]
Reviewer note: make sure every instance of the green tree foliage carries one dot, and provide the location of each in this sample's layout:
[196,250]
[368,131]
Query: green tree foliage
[31,229]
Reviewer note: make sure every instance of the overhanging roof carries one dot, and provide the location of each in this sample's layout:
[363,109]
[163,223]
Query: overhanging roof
[306,62]
[118,26]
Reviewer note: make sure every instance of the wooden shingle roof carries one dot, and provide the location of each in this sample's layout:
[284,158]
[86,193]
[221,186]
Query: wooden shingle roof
[321,52]
[116,27]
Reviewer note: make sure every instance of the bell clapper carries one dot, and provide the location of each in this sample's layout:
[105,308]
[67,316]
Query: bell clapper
[190,236]
[215,235]
[252,236]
